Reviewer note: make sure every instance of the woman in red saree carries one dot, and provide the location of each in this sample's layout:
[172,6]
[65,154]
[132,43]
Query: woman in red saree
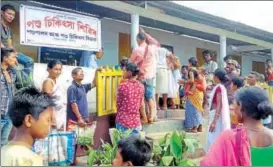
[250,143]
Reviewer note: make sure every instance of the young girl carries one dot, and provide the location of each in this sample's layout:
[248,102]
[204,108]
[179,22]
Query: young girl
[196,79]
[196,83]
[129,99]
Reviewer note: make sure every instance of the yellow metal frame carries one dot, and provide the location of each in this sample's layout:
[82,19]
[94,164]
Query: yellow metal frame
[107,85]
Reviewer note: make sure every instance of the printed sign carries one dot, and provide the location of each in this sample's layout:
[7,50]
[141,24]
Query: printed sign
[52,28]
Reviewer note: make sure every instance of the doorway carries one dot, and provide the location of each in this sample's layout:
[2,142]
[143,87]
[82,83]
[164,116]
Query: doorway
[199,56]
[124,46]
[258,67]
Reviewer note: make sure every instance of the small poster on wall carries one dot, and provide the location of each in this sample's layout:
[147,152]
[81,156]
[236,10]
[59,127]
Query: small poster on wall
[66,56]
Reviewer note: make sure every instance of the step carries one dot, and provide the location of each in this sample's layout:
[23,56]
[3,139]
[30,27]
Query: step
[165,125]
[170,113]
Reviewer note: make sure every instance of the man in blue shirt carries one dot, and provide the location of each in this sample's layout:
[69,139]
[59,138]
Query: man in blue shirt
[90,59]
[77,108]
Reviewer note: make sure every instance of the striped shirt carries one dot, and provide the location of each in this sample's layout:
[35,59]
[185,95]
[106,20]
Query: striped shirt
[6,92]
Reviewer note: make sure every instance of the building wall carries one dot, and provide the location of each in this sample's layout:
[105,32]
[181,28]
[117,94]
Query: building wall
[247,63]
[184,47]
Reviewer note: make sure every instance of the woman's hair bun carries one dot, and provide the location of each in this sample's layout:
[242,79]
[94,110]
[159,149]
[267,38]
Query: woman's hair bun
[222,75]
[265,108]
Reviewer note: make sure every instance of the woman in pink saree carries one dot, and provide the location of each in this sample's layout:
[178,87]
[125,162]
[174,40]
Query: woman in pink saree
[250,144]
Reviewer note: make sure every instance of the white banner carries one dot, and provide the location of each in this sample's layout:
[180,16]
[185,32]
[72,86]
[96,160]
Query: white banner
[52,28]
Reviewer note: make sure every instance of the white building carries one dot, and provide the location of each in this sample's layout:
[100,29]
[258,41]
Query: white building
[188,32]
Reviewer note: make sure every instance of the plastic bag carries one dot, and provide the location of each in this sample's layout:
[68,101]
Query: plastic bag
[85,136]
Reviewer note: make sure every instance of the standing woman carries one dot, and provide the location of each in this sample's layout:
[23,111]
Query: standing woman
[194,102]
[174,77]
[52,87]
[219,116]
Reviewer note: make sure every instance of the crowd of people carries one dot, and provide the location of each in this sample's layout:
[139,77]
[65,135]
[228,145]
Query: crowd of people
[235,105]
[239,110]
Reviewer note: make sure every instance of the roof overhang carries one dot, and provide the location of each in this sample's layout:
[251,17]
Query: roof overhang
[131,9]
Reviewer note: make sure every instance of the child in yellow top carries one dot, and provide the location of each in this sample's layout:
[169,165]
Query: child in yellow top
[31,113]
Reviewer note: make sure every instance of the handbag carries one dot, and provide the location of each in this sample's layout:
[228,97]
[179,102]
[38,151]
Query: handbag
[85,135]
[57,149]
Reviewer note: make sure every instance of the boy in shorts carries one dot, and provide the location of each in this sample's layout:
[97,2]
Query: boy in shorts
[31,113]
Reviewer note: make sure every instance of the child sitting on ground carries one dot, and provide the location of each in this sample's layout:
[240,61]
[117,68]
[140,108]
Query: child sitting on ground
[133,151]
[31,113]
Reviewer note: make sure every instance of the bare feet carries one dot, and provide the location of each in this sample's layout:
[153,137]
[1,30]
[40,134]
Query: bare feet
[173,107]
[200,128]
[192,130]
[150,120]
[144,121]
[164,108]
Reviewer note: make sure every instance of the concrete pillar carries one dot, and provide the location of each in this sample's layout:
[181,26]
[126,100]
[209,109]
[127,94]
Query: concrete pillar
[271,54]
[134,29]
[223,50]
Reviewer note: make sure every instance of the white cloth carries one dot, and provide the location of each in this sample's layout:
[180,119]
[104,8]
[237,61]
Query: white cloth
[162,81]
[223,122]
[59,95]
[211,66]
[174,77]
[161,57]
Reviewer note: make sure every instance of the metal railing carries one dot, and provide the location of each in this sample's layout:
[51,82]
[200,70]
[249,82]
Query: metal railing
[107,80]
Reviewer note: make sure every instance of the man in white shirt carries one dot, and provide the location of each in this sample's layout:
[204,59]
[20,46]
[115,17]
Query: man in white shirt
[162,76]
[210,66]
